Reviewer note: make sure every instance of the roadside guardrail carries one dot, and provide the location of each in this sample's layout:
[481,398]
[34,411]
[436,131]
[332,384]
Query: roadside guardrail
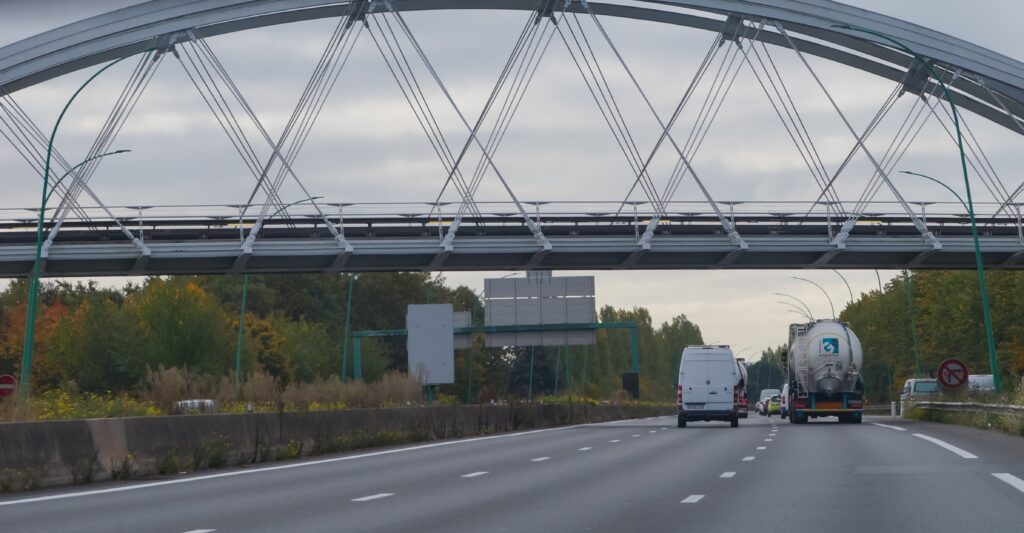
[972,407]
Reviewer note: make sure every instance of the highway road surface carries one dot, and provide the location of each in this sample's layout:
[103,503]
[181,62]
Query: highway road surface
[636,475]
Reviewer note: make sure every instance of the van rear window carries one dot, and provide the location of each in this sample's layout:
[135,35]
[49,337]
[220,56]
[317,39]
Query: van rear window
[926,386]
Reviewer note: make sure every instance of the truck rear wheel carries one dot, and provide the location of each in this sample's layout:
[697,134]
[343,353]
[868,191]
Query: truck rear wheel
[681,422]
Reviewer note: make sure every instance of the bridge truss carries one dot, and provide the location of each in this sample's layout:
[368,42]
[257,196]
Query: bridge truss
[647,228]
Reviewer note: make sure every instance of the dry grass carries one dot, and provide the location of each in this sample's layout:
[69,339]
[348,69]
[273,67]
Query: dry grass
[165,386]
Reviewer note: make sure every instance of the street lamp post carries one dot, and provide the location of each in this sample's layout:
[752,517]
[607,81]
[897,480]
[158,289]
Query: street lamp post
[913,325]
[823,291]
[348,322]
[245,296]
[986,312]
[33,291]
[806,310]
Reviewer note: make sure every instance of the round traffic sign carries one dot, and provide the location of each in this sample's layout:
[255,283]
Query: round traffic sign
[952,374]
[7,385]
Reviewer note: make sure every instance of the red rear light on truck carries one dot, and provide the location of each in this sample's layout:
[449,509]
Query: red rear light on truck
[679,400]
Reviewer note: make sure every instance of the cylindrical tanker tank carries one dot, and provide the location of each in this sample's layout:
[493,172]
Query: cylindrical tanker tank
[824,362]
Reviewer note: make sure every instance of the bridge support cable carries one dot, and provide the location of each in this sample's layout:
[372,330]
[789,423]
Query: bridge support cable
[879,116]
[976,157]
[130,95]
[907,133]
[521,66]
[1020,126]
[593,76]
[322,81]
[396,60]
[390,18]
[918,223]
[30,143]
[212,80]
[785,108]
[724,79]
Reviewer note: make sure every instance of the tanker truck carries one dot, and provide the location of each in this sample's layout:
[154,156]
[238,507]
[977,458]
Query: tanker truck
[823,363]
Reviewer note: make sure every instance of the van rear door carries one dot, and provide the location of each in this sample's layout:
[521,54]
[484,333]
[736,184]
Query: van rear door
[721,378]
[693,378]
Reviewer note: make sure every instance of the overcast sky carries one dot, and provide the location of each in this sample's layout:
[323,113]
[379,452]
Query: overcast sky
[367,147]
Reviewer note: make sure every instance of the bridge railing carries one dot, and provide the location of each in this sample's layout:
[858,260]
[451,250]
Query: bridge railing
[820,218]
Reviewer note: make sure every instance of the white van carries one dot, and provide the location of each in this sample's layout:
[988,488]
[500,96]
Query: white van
[709,385]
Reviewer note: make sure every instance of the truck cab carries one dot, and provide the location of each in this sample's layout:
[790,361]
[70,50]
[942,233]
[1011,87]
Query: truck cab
[709,385]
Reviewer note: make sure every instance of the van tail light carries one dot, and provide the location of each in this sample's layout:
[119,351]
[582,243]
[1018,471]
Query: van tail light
[679,400]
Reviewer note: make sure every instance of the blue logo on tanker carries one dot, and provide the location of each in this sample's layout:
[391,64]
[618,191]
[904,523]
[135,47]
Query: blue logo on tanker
[830,345]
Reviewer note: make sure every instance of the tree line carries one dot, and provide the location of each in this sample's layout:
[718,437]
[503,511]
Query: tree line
[105,339]
[942,311]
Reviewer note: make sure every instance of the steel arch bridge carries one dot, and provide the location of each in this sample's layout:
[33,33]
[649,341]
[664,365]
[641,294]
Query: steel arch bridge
[652,230]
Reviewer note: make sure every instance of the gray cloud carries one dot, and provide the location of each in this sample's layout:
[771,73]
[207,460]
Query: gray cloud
[367,147]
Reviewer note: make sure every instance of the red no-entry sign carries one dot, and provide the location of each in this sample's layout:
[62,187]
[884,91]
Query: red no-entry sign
[7,385]
[952,374]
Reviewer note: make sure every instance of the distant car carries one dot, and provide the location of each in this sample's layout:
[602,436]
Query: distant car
[916,390]
[765,395]
[774,405]
[186,407]
[981,383]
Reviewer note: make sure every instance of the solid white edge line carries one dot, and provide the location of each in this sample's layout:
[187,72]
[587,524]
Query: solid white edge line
[248,471]
[727,474]
[475,474]
[1011,480]
[373,497]
[959,451]
[897,428]
[693,498]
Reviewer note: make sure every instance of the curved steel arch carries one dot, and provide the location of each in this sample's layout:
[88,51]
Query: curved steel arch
[133,29]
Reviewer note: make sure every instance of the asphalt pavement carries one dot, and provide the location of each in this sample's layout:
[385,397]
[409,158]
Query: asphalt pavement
[637,475]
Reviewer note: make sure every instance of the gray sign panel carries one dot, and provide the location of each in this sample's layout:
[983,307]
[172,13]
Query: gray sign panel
[463,319]
[430,343]
[540,300]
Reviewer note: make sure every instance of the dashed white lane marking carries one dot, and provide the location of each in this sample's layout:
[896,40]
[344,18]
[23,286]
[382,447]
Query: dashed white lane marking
[748,458]
[614,440]
[636,435]
[201,531]
[475,474]
[585,448]
[727,474]
[1011,480]
[897,428]
[664,428]
[539,459]
[767,440]
[693,498]
[959,451]
[652,431]
[762,448]
[288,466]
[373,497]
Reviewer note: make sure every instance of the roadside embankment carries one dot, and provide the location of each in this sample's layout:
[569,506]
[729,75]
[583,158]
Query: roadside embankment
[41,454]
